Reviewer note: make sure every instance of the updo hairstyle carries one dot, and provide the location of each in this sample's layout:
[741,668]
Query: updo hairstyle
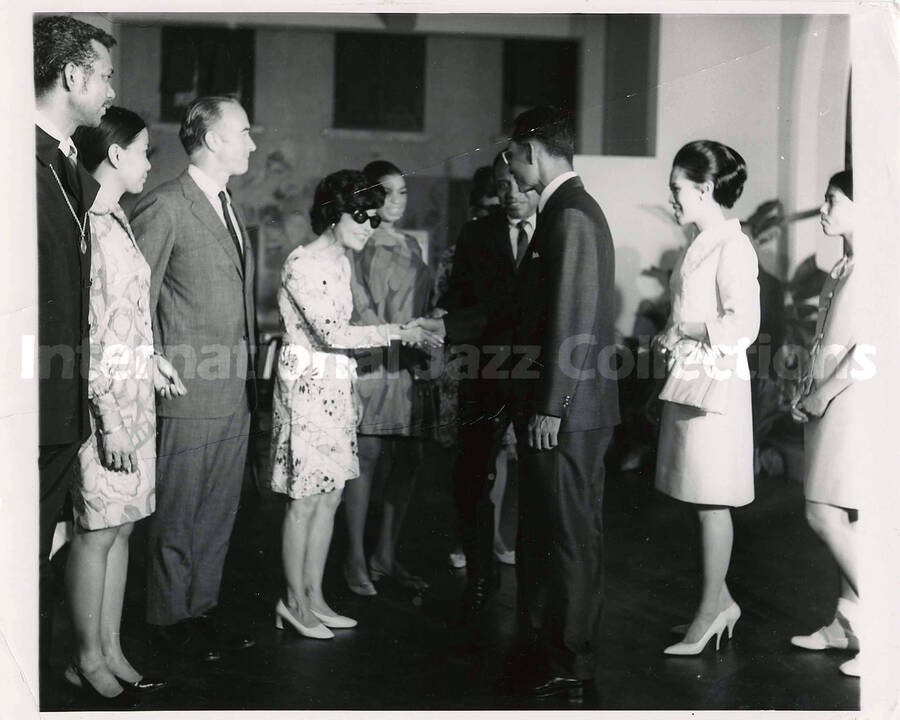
[710,161]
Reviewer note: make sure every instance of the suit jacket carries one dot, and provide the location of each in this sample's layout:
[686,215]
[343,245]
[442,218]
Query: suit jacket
[480,300]
[566,294]
[64,277]
[201,299]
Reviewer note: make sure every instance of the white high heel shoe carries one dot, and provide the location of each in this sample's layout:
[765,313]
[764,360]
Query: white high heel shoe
[726,619]
[733,612]
[319,632]
[339,622]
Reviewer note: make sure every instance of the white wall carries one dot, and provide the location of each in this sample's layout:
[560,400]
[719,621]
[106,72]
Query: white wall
[719,79]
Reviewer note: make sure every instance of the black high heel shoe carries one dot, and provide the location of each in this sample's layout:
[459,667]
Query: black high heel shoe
[143,686]
[123,701]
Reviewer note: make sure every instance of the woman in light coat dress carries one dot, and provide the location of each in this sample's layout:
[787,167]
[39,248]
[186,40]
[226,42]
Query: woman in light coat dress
[706,458]
[829,405]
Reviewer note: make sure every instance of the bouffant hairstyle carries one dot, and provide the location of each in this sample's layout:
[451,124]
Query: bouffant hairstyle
[199,116]
[118,127]
[553,127]
[378,169]
[710,161]
[60,40]
[343,191]
[843,181]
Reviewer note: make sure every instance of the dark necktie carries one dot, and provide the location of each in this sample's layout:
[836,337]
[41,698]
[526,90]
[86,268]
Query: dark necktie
[521,241]
[231,228]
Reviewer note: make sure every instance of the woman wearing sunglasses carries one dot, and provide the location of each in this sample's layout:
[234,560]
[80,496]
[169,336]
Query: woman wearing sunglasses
[314,419]
[390,283]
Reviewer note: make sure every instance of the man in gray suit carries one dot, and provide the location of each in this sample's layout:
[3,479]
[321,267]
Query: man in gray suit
[201,300]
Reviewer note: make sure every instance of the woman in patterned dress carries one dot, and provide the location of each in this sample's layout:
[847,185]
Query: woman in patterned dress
[706,458]
[314,450]
[390,283]
[830,407]
[115,487]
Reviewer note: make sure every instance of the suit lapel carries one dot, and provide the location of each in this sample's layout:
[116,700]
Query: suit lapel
[203,211]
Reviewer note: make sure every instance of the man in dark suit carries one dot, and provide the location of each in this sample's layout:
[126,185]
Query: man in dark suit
[566,400]
[201,300]
[487,255]
[72,71]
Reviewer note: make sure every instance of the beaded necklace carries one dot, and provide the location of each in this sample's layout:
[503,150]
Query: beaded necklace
[82,226]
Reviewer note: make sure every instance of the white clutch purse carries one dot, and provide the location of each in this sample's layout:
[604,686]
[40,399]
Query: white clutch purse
[697,377]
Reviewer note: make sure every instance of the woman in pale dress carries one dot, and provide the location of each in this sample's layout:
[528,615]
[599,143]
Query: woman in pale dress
[391,283]
[314,448]
[115,487]
[706,458]
[828,405]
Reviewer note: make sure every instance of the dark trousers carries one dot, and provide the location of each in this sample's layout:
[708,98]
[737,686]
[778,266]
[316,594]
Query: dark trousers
[57,468]
[479,444]
[559,549]
[199,473]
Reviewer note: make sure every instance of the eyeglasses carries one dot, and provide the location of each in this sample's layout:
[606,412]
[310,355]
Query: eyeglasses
[360,216]
[507,156]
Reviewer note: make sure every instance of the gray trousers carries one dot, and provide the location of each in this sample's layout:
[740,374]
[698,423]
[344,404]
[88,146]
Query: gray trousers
[199,472]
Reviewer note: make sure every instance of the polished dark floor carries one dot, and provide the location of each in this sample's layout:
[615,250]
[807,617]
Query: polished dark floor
[411,653]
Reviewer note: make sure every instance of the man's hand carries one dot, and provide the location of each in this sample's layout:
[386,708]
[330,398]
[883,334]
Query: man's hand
[432,325]
[166,380]
[543,432]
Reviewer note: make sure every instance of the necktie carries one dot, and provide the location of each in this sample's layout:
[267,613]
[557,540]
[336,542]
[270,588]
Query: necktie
[231,229]
[521,241]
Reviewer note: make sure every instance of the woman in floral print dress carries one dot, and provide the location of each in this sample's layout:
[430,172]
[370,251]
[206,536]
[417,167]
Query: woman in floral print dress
[314,411]
[115,486]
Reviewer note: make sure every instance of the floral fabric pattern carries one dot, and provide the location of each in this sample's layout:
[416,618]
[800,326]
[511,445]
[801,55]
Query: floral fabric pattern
[315,415]
[120,383]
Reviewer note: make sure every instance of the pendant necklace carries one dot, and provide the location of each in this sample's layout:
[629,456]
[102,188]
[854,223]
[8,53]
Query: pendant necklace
[82,226]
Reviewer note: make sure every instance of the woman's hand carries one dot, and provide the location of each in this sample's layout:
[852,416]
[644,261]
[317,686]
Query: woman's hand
[813,405]
[117,452]
[664,342]
[166,380]
[418,335]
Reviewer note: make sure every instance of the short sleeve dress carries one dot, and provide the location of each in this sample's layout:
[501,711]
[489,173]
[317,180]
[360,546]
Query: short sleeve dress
[120,383]
[707,458]
[314,412]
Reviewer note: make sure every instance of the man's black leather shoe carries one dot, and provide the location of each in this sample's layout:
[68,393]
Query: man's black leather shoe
[220,636]
[184,639]
[573,687]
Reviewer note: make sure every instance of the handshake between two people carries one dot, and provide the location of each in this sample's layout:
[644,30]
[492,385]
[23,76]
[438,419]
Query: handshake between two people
[426,333]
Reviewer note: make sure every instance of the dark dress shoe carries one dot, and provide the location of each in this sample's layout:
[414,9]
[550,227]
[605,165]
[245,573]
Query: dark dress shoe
[143,686]
[478,591]
[96,700]
[184,639]
[221,636]
[573,687]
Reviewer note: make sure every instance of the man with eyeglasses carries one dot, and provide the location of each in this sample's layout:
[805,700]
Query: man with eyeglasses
[482,285]
[201,301]
[566,403]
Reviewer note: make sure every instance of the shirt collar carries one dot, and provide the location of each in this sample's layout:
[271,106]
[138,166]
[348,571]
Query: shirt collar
[65,143]
[553,186]
[209,186]
[531,220]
